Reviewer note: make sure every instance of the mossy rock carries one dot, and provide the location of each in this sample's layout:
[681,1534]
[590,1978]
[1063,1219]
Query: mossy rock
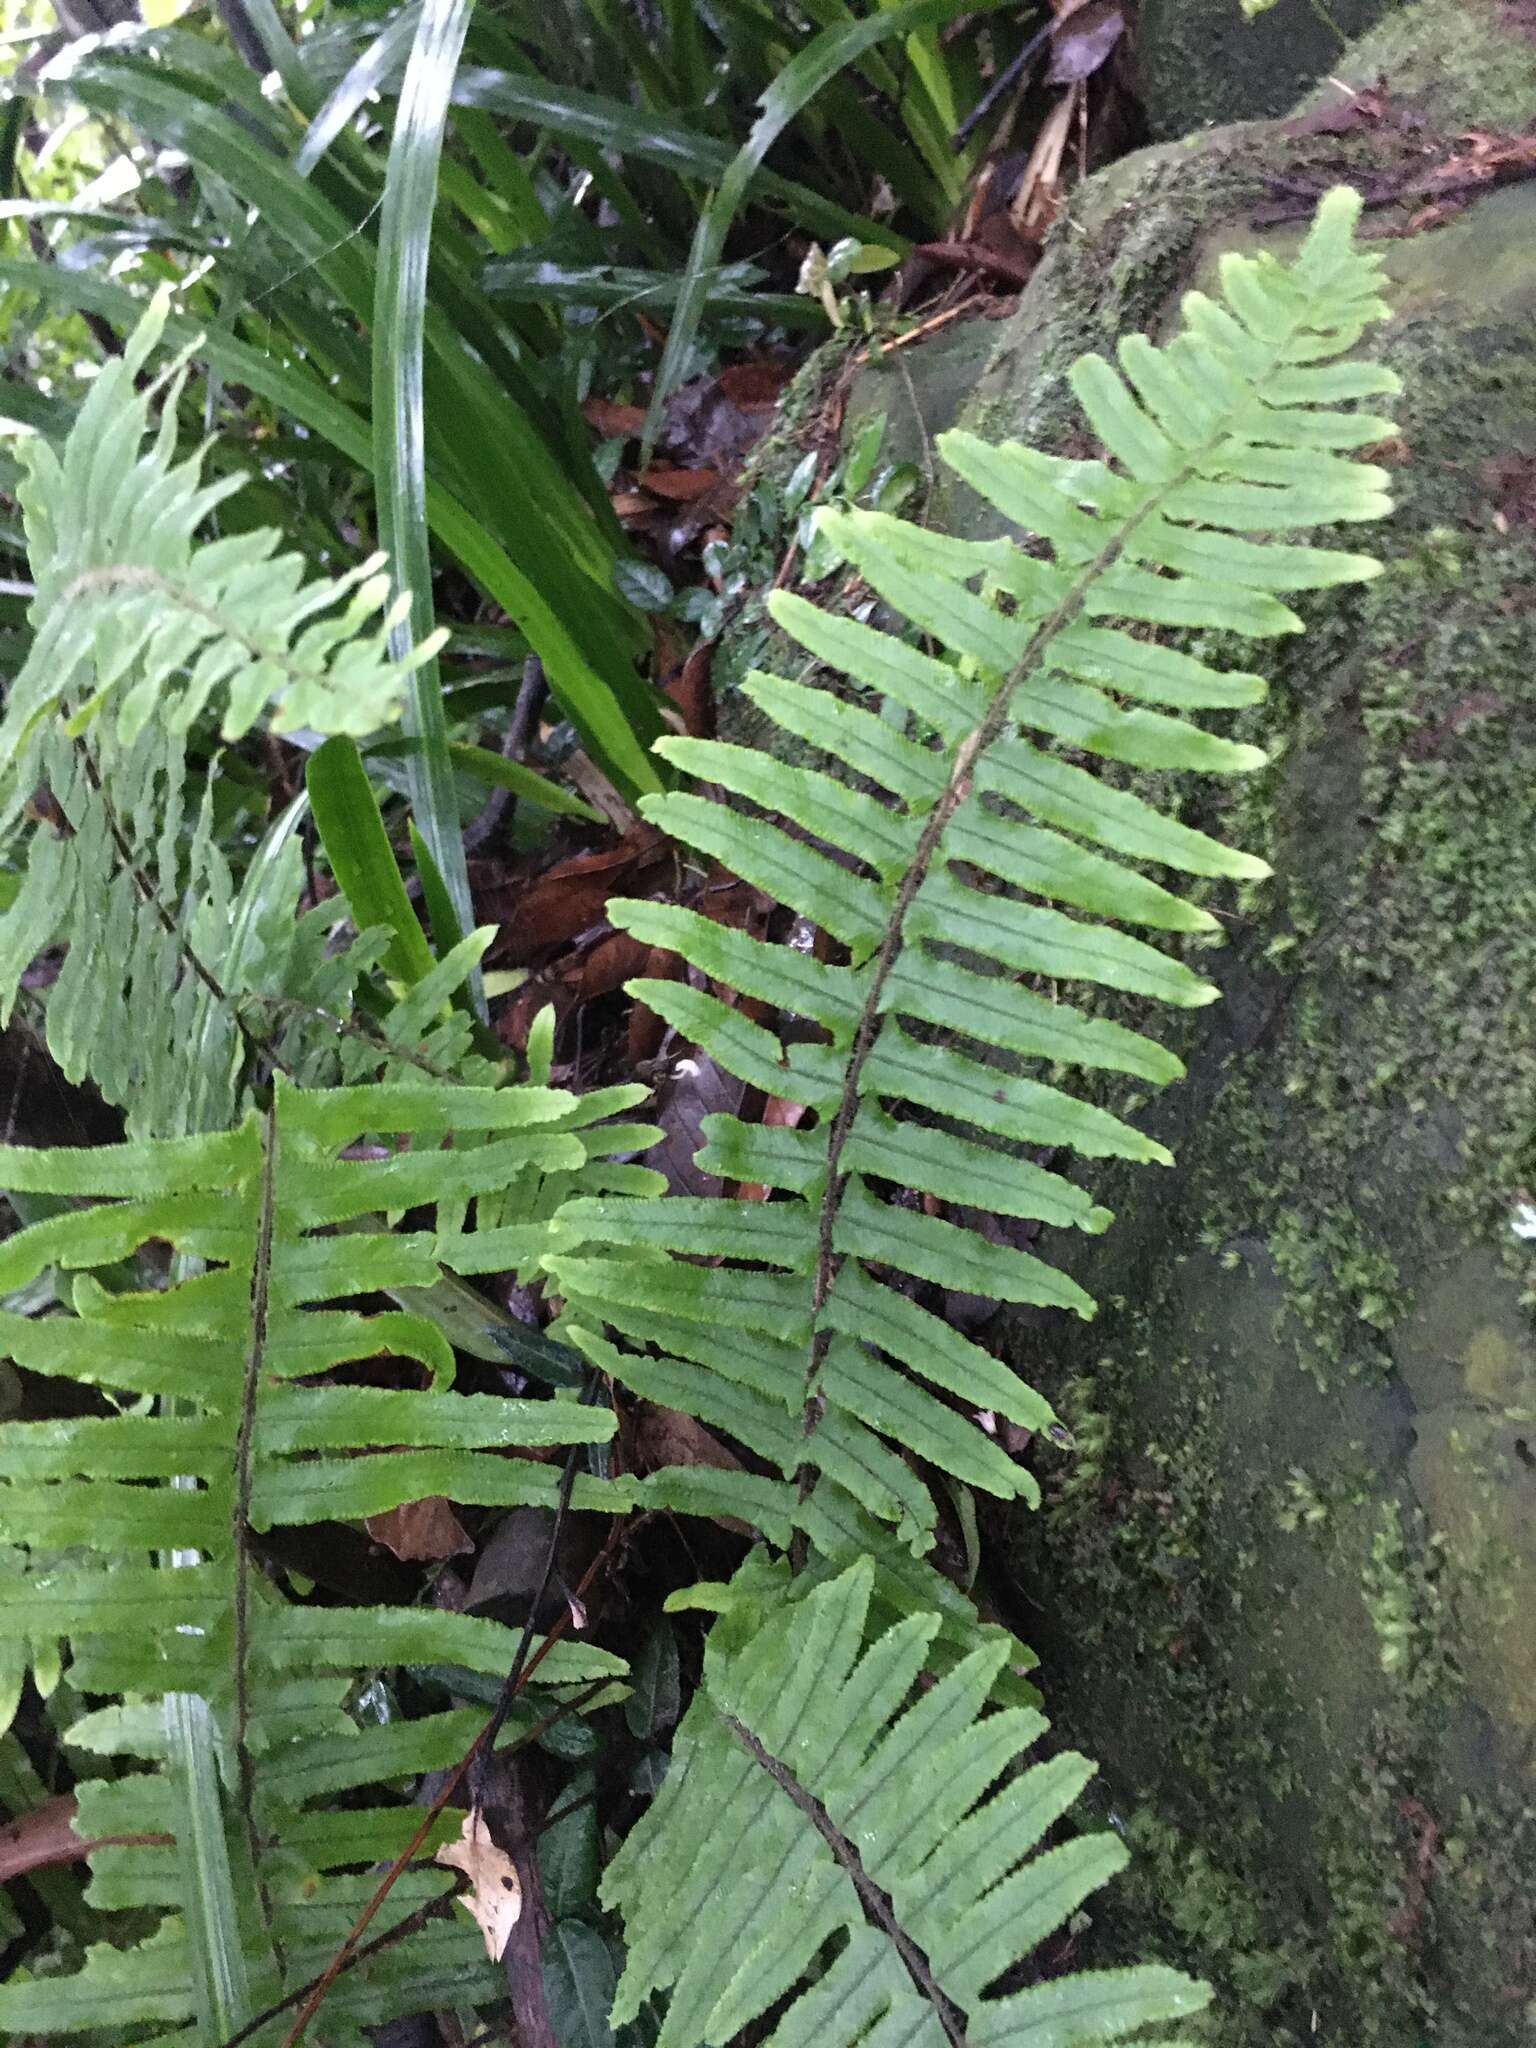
[1284,1588]
[1204,61]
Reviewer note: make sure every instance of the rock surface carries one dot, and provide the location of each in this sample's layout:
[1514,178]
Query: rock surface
[1205,60]
[1286,1588]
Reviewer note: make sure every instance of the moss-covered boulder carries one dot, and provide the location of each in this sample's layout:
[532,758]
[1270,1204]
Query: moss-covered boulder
[1285,1587]
[1201,61]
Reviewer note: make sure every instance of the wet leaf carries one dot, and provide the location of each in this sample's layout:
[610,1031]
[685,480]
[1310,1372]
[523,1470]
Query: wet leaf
[655,1698]
[648,588]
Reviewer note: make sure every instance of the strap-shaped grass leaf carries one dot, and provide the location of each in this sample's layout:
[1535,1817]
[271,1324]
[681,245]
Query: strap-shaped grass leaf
[867,1852]
[967,839]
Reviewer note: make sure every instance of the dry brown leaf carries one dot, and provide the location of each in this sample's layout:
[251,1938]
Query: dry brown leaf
[571,896]
[680,486]
[45,1837]
[422,1530]
[666,1436]
[612,420]
[495,1899]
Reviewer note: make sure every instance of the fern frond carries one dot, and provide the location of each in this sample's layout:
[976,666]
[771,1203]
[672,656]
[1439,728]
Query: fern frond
[233,1406]
[971,866]
[863,1851]
[136,620]
[145,641]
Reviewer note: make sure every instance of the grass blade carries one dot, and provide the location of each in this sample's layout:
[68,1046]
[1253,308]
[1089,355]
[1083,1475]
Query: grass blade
[399,421]
[361,858]
[823,57]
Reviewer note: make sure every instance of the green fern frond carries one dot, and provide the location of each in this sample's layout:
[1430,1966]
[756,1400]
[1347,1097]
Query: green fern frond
[136,620]
[144,638]
[231,1407]
[861,1845]
[971,866]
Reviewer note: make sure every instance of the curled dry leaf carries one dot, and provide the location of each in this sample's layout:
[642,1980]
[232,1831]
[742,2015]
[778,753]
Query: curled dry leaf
[422,1530]
[495,1898]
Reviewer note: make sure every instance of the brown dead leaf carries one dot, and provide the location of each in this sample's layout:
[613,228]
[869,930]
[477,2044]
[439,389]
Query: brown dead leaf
[422,1530]
[613,421]
[631,505]
[692,691]
[695,1089]
[754,386]
[666,1436]
[678,486]
[646,1031]
[570,897]
[495,1898]
[1084,43]
[45,1837]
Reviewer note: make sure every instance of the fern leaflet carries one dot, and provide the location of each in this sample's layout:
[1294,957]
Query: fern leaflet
[148,646]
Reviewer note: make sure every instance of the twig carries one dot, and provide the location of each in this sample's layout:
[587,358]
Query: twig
[921,331]
[1004,82]
[514,745]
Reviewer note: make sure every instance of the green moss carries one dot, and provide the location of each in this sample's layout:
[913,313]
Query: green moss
[1205,60]
[1466,62]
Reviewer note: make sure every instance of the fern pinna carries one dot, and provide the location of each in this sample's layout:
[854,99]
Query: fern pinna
[974,860]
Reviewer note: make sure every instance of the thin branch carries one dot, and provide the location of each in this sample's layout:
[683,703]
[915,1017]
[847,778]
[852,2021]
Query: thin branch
[360,1951]
[517,1680]
[878,1910]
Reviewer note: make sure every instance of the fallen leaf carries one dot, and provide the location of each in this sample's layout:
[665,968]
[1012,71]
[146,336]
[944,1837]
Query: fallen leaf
[754,385]
[678,486]
[631,504]
[45,1837]
[692,691]
[646,1031]
[1085,43]
[569,897]
[495,1898]
[425,1530]
[695,1089]
[666,1436]
[613,421]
